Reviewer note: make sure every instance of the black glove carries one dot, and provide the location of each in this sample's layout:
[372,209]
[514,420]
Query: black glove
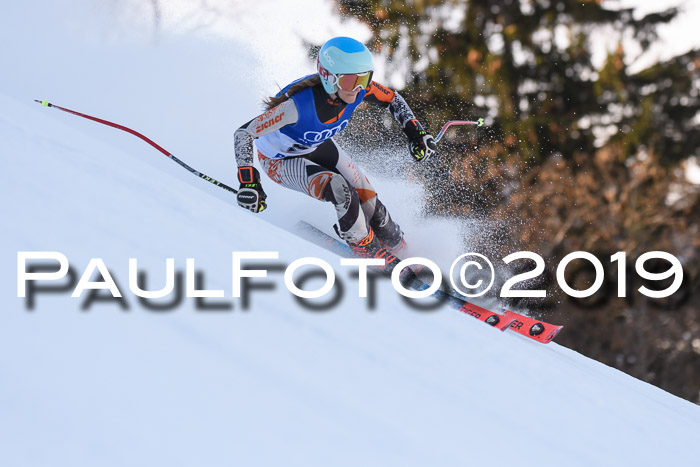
[250,195]
[420,143]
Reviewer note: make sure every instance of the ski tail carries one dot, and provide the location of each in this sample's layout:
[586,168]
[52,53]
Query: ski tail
[538,330]
[500,322]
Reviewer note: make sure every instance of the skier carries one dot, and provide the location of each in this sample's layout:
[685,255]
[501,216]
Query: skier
[294,139]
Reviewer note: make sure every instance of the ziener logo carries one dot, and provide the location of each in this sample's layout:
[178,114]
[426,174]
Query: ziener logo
[269,123]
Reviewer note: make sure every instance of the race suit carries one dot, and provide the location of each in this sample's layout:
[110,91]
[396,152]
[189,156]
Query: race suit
[296,149]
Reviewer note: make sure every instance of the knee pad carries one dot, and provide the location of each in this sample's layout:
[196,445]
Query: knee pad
[352,224]
[338,192]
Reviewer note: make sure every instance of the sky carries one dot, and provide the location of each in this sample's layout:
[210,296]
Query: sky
[677,37]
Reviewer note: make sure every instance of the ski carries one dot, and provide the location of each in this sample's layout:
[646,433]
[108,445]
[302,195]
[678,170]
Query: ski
[533,328]
[496,320]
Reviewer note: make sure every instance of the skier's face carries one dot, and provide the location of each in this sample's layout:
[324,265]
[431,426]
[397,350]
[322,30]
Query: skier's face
[348,96]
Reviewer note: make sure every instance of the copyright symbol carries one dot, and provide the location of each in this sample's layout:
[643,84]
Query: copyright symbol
[470,271]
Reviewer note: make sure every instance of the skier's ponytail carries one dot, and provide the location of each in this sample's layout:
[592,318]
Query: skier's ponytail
[272,102]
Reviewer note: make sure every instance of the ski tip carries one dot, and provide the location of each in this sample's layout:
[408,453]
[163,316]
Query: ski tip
[43,102]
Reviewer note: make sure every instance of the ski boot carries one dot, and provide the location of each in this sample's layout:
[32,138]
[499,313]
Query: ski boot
[387,231]
[370,247]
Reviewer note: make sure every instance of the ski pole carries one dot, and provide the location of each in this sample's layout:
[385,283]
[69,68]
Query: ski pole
[136,133]
[478,123]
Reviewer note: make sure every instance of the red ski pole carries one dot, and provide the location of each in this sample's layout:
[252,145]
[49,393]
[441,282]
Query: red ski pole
[136,133]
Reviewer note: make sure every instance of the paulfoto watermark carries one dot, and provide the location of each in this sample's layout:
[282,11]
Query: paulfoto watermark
[470,274]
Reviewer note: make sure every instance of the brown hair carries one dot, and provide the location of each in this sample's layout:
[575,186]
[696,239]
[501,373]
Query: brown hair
[274,101]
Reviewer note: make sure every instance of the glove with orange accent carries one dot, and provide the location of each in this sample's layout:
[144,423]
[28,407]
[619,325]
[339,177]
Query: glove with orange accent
[250,195]
[420,143]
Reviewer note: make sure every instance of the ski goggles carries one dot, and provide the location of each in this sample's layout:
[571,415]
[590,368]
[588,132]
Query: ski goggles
[347,82]
[351,82]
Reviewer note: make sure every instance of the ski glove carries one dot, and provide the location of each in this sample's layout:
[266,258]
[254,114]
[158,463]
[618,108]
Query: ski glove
[250,195]
[420,143]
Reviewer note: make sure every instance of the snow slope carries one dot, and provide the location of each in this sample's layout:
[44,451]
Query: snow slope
[274,385]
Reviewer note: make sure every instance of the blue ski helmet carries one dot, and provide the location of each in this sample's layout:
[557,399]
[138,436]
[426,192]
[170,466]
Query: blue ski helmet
[342,55]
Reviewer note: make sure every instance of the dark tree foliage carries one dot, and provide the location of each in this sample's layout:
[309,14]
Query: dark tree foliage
[528,64]
[583,150]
